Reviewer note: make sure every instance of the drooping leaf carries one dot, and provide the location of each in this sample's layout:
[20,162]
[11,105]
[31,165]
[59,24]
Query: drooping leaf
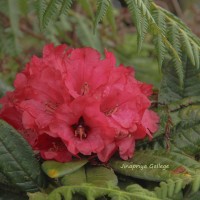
[98,176]
[17,162]
[173,170]
[56,169]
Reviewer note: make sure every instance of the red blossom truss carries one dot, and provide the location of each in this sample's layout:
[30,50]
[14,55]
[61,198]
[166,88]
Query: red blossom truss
[71,102]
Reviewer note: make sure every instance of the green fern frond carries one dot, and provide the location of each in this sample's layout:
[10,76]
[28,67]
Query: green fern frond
[196,54]
[160,46]
[91,192]
[14,20]
[66,5]
[50,12]
[102,8]
[40,8]
[140,22]
[187,46]
[174,39]
[134,6]
[169,188]
[172,187]
[158,19]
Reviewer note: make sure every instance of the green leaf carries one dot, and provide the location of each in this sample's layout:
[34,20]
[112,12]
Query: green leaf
[40,9]
[102,8]
[14,20]
[75,178]
[17,162]
[140,20]
[160,46]
[66,5]
[150,165]
[171,90]
[50,12]
[98,176]
[8,195]
[37,196]
[185,136]
[91,192]
[174,39]
[173,170]
[188,46]
[56,169]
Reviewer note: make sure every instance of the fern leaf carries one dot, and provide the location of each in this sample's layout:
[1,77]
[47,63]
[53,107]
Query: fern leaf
[188,47]
[66,5]
[14,20]
[50,12]
[169,188]
[92,192]
[134,6]
[102,8]
[160,46]
[174,39]
[143,7]
[140,22]
[196,55]
[40,8]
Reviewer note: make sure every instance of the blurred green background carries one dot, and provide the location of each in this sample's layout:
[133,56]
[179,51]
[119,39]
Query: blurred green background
[21,36]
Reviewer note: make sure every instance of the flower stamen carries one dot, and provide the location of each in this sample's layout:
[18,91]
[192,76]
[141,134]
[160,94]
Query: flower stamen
[85,89]
[80,129]
[80,132]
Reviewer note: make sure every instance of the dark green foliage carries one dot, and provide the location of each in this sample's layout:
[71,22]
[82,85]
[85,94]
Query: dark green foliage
[17,161]
[7,195]
[171,90]
[173,170]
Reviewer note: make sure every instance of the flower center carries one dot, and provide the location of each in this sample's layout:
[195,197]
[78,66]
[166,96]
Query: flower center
[80,129]
[85,88]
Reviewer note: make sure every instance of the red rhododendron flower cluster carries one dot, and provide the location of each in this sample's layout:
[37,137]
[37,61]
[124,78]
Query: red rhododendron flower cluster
[71,102]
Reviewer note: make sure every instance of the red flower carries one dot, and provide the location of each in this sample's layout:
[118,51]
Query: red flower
[72,102]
